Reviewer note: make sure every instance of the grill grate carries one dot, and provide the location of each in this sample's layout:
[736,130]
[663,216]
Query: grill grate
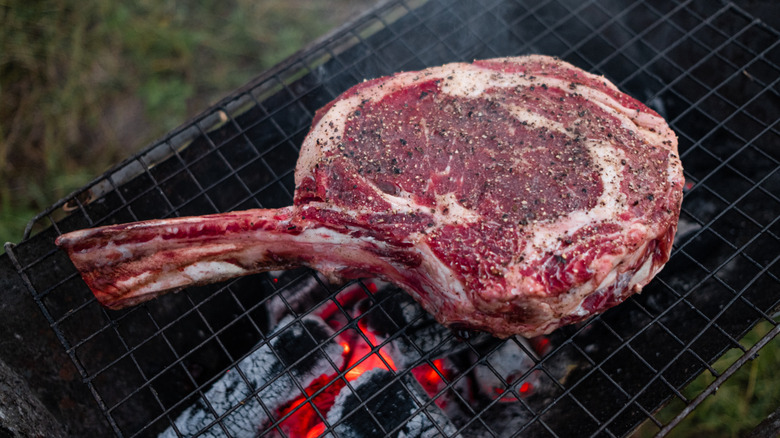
[709,68]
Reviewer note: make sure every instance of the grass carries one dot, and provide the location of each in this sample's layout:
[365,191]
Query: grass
[84,84]
[738,406]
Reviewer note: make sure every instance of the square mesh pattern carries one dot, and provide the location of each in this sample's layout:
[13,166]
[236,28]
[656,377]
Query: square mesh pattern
[249,358]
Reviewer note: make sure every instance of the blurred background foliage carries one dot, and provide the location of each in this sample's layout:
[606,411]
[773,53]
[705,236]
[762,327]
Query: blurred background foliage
[84,84]
[737,406]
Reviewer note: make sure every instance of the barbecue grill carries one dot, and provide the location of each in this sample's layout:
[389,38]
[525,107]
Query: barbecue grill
[288,354]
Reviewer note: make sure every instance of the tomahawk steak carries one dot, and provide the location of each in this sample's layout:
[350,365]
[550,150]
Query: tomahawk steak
[510,195]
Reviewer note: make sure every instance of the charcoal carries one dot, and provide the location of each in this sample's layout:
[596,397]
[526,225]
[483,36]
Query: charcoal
[295,349]
[508,364]
[422,334]
[382,405]
[299,295]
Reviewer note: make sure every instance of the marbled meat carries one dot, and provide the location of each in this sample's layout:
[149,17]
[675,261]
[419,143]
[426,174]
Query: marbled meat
[510,195]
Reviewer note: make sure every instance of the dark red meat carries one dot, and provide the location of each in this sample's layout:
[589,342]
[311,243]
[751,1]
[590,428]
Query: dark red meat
[510,195]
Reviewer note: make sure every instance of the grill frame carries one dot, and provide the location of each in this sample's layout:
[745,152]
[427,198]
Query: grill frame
[134,190]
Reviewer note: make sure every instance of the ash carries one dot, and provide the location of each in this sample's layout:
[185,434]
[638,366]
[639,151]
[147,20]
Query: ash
[380,403]
[262,382]
[441,383]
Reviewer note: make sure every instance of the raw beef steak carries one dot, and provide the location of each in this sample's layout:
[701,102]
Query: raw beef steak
[509,195]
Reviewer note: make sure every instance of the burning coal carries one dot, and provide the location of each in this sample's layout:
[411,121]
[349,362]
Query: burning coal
[369,362]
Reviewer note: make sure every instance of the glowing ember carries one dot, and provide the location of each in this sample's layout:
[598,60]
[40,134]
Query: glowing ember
[316,430]
[304,420]
[380,370]
[367,363]
[433,379]
[307,412]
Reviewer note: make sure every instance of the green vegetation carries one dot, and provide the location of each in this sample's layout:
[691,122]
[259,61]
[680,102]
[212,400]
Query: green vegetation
[739,405]
[84,84]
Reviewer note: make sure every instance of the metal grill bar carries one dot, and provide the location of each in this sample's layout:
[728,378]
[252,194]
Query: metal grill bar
[719,381]
[240,154]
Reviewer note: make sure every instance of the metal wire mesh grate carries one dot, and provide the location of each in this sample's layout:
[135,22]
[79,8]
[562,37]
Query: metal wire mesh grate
[709,68]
